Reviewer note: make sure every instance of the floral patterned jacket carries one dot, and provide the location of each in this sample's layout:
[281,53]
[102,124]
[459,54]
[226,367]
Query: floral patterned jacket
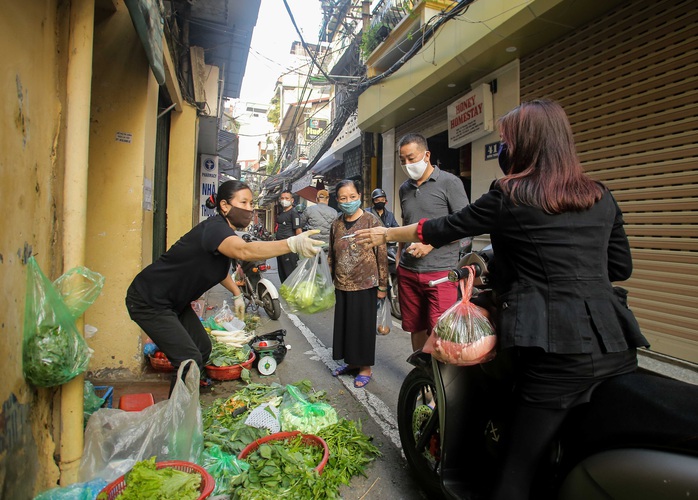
[355,267]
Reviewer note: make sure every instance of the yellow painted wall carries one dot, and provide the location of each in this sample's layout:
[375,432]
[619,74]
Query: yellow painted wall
[33,44]
[119,230]
[182,180]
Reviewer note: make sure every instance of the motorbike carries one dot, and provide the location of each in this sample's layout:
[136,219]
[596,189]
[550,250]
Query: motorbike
[392,281]
[637,439]
[260,232]
[257,290]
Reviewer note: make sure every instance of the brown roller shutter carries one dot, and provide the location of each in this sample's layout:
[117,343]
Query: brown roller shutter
[629,82]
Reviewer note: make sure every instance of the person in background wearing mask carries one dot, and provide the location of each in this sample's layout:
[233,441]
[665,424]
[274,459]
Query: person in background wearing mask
[160,296]
[360,276]
[386,216]
[288,223]
[428,193]
[320,216]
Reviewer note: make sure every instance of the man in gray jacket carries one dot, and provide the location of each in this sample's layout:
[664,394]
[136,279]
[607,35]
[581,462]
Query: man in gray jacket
[320,216]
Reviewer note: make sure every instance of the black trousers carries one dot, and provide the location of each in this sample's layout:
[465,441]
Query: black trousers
[287,264]
[180,336]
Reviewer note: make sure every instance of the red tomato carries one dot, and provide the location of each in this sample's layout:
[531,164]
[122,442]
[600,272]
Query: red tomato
[263,344]
[160,355]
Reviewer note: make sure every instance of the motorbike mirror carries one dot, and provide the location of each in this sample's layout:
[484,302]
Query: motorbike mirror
[474,259]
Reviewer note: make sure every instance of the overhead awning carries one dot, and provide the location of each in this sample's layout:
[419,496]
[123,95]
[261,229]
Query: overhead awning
[326,164]
[307,187]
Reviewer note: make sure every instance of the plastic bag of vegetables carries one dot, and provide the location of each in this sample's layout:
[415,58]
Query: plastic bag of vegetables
[299,414]
[309,288]
[463,334]
[53,351]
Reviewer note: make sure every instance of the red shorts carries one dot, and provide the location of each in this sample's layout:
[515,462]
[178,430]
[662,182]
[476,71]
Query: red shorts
[420,304]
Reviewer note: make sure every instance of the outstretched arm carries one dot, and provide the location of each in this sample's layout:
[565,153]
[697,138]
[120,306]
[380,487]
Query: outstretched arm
[380,235]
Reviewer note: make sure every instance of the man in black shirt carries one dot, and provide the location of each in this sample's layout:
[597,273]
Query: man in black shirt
[288,223]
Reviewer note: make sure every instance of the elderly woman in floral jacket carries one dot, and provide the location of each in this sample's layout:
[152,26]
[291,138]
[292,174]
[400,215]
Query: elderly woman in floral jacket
[360,277]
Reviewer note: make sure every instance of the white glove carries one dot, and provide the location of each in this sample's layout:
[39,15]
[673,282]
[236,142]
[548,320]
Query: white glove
[239,305]
[303,245]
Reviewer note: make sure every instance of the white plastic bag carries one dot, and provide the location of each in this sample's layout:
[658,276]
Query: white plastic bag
[169,430]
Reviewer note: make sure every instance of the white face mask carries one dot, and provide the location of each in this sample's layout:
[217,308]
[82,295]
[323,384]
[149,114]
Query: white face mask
[416,170]
[286,203]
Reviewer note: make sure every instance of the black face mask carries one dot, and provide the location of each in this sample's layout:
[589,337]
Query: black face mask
[504,158]
[379,205]
[239,217]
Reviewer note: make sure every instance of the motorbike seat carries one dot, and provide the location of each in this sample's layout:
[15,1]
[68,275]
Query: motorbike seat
[639,410]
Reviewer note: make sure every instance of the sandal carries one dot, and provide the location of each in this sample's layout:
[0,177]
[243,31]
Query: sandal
[362,380]
[343,370]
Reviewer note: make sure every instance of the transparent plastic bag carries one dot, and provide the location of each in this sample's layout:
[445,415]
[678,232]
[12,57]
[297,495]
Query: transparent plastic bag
[79,287]
[299,414]
[224,468]
[463,334]
[383,319]
[76,491]
[53,351]
[225,315]
[309,288]
[169,430]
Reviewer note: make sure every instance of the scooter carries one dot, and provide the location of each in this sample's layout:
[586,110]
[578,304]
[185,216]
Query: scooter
[637,439]
[392,281]
[257,290]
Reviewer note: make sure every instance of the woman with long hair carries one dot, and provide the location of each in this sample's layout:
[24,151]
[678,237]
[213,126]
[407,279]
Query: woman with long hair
[559,243]
[159,298]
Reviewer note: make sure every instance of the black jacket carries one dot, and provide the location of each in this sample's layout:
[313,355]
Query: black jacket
[553,273]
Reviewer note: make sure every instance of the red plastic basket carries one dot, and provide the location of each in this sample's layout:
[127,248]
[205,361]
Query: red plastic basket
[161,364]
[116,487]
[229,372]
[310,439]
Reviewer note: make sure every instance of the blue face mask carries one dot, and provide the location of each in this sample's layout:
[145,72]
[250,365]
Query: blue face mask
[351,207]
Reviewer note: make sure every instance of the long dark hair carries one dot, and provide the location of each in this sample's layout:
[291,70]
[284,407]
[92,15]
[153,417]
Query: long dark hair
[545,171]
[226,191]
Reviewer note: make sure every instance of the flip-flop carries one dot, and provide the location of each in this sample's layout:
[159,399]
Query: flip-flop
[362,380]
[342,370]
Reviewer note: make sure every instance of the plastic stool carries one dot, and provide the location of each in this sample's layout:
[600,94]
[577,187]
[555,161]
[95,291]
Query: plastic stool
[136,402]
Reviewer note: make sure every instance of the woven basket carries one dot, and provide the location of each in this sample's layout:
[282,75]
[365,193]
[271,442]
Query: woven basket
[229,372]
[161,364]
[116,487]
[309,439]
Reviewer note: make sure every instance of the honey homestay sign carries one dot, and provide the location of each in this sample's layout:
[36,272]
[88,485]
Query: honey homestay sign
[470,116]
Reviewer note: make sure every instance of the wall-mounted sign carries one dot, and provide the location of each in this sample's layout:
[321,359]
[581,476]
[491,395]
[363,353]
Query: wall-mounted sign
[208,184]
[492,150]
[470,117]
[314,127]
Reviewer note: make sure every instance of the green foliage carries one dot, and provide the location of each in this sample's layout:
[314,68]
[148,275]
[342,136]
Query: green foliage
[370,39]
[274,113]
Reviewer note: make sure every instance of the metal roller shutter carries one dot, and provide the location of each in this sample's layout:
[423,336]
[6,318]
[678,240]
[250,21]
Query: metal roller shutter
[629,82]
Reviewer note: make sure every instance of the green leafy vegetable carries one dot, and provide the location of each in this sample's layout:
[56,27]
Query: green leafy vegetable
[226,355]
[146,482]
[53,356]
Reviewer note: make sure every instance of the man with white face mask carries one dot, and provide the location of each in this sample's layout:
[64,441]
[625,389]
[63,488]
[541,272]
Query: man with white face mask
[428,192]
[288,223]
